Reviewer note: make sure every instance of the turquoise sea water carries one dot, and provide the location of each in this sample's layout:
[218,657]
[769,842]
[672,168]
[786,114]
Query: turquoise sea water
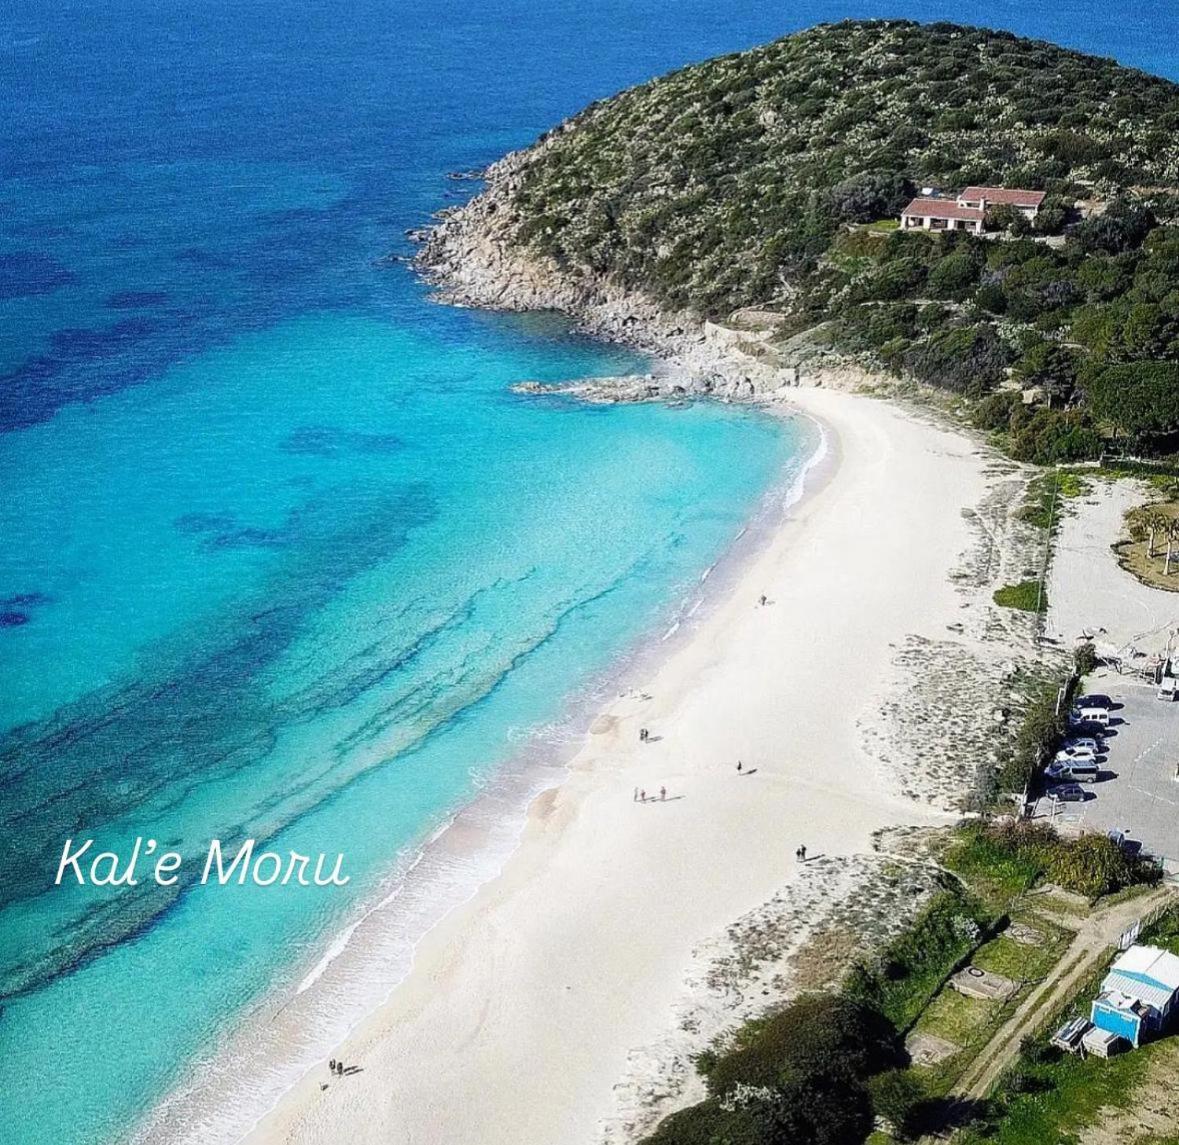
[283,557]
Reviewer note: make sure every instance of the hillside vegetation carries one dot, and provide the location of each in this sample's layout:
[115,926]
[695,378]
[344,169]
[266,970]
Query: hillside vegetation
[748,180]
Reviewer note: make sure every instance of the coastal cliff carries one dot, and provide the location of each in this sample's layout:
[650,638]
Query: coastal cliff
[738,218]
[472,256]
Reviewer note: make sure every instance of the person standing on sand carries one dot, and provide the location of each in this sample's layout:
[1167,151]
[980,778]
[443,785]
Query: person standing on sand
[643,734]
[663,793]
[738,765]
[332,1065]
[643,796]
[635,797]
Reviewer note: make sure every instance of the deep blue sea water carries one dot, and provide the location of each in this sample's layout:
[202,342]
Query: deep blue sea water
[282,556]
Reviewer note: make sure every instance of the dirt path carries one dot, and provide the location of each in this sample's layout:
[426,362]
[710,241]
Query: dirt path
[1095,935]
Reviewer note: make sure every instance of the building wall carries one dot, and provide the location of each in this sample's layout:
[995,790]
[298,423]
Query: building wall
[1115,1021]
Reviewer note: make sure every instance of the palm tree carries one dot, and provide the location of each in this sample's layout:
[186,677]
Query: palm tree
[1172,537]
[1155,522]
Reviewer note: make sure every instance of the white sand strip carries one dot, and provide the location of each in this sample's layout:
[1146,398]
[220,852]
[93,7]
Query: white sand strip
[516,1021]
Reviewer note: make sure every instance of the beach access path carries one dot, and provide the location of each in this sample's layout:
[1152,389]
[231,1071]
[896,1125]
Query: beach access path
[515,1023]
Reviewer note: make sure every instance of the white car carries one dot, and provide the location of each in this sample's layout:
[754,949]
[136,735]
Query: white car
[1084,741]
[1074,753]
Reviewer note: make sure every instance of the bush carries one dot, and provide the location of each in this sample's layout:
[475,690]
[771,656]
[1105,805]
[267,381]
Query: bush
[1121,228]
[869,196]
[912,968]
[795,1076]
[816,1034]
[1027,595]
[1039,732]
[710,1124]
[1092,865]
[955,276]
[898,1096]
[1022,851]
[1085,659]
[967,360]
[994,411]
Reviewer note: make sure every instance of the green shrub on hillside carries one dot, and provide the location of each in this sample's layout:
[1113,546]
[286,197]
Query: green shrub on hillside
[796,1075]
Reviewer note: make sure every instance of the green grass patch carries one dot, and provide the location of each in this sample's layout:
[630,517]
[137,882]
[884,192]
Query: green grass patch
[1027,596]
[959,1019]
[1164,931]
[1045,1103]
[1019,962]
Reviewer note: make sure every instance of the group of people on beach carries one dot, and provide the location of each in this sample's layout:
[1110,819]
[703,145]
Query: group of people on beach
[640,795]
[336,1068]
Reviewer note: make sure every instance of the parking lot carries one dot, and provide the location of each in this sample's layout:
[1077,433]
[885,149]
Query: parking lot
[1137,792]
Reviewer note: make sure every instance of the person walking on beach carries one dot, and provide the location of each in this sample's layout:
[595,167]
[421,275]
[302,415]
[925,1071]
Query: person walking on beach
[643,734]
[738,765]
[762,599]
[635,797]
[332,1065]
[643,796]
[801,853]
[663,793]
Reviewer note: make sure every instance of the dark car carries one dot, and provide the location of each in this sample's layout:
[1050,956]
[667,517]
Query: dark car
[1095,701]
[1068,792]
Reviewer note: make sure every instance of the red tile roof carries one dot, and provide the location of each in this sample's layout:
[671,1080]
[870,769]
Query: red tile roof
[941,209]
[1013,196]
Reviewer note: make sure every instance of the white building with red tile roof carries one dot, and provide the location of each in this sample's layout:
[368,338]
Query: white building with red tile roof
[967,212]
[1026,201]
[942,215]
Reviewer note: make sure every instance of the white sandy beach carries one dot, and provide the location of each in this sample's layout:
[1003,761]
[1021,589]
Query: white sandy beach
[515,1024]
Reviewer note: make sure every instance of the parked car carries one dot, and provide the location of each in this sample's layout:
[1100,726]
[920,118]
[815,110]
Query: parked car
[1073,770]
[1095,745]
[1088,718]
[1067,792]
[1075,752]
[1096,700]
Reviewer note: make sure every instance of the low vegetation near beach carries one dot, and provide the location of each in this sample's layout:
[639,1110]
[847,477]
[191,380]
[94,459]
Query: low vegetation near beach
[886,1053]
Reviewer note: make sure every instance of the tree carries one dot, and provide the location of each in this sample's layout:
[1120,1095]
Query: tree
[1051,216]
[868,196]
[1122,227]
[1001,217]
[1140,399]
[955,276]
[1155,523]
[1051,365]
[1172,535]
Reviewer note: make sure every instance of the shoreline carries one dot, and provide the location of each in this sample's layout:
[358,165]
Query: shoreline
[376,949]
[483,977]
